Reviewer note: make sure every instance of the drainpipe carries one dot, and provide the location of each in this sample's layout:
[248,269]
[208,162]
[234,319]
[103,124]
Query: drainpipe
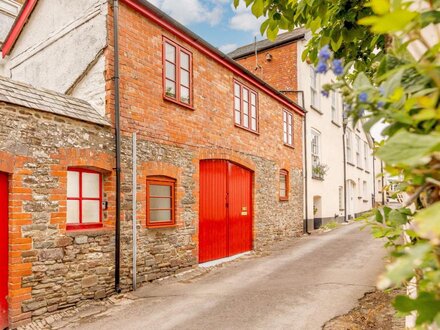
[344,152]
[118,147]
[374,180]
[382,181]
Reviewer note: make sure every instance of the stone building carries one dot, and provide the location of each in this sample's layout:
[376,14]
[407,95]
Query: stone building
[329,195]
[217,157]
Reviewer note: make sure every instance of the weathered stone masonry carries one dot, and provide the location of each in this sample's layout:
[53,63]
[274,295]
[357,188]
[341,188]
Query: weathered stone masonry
[49,267]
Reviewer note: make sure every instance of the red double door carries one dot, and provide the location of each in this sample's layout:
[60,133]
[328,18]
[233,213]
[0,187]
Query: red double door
[225,210]
[3,250]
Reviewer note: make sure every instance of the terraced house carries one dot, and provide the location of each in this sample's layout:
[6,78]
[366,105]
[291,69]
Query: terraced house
[119,123]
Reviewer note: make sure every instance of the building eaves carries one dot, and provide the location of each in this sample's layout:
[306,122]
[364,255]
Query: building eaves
[282,39]
[18,93]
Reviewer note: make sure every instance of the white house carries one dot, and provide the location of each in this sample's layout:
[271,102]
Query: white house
[338,185]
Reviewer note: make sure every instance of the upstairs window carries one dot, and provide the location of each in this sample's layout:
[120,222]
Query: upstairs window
[284,185]
[366,165]
[245,107]
[348,141]
[334,107]
[84,198]
[177,66]
[160,202]
[316,148]
[288,128]
[358,152]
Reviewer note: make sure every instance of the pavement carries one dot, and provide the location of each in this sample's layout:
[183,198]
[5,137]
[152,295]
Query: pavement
[300,284]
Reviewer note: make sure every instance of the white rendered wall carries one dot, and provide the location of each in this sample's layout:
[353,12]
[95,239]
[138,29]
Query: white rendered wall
[61,48]
[8,11]
[331,151]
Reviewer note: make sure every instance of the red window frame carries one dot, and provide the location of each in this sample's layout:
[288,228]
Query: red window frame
[161,181]
[285,174]
[245,105]
[287,128]
[177,79]
[80,224]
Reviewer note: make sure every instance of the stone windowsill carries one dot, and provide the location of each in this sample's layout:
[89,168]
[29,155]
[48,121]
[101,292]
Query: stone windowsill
[90,232]
[317,110]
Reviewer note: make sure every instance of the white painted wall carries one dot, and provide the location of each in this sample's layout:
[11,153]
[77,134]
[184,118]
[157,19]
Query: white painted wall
[60,48]
[331,154]
[8,11]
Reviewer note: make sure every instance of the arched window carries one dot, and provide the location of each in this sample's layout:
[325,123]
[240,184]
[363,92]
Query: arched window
[84,198]
[284,185]
[160,201]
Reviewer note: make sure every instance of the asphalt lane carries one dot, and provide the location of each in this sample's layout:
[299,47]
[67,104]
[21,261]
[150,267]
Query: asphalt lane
[300,285]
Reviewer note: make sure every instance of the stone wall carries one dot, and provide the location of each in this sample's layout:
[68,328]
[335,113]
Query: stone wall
[49,267]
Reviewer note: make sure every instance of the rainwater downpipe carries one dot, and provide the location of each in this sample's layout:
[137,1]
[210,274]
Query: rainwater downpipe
[344,152]
[118,147]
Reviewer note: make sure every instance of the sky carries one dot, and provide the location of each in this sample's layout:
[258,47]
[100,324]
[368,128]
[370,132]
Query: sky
[216,21]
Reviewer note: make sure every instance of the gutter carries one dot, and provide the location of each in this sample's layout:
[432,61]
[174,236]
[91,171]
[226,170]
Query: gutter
[118,147]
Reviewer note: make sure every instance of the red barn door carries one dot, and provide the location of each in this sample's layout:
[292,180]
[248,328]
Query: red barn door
[225,216]
[3,250]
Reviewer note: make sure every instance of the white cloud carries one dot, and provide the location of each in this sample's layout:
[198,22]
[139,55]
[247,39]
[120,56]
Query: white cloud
[192,11]
[244,20]
[228,48]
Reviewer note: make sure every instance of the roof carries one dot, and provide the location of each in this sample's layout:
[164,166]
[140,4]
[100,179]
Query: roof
[168,23]
[282,39]
[45,100]
[159,17]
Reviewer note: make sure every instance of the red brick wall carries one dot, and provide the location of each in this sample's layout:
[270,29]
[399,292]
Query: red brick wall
[280,71]
[210,124]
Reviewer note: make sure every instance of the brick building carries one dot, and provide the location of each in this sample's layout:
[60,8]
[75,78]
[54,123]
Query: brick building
[339,166]
[217,157]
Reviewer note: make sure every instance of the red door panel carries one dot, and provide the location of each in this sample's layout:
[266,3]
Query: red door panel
[3,250]
[213,226]
[240,212]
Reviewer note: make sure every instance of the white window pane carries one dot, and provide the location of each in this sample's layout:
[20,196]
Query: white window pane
[253,99]
[90,185]
[170,53]
[159,190]
[184,94]
[170,88]
[253,124]
[160,203]
[237,103]
[184,60]
[290,139]
[246,121]
[237,117]
[289,120]
[246,108]
[253,112]
[284,116]
[90,211]
[170,71]
[72,184]
[72,211]
[184,78]
[245,95]
[237,90]
[160,216]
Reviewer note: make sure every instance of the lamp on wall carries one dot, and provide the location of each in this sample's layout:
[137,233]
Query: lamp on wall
[268,57]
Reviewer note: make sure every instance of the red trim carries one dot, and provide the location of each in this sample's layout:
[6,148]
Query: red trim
[80,198]
[249,107]
[17,27]
[177,67]
[236,69]
[285,173]
[161,181]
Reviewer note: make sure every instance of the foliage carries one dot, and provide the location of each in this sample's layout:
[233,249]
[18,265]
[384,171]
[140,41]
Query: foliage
[391,75]
[330,225]
[319,171]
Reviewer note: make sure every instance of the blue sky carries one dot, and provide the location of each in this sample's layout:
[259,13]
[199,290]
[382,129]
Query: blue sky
[216,21]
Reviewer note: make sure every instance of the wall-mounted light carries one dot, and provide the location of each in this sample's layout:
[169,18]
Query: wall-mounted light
[268,57]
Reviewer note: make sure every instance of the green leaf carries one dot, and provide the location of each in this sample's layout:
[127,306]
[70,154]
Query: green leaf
[361,82]
[396,218]
[272,33]
[392,22]
[258,8]
[425,114]
[236,3]
[427,223]
[264,26]
[426,305]
[380,7]
[336,44]
[409,149]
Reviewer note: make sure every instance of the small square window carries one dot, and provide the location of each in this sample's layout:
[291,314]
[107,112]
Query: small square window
[284,185]
[160,202]
[84,199]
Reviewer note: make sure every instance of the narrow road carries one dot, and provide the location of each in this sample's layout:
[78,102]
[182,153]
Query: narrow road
[301,285]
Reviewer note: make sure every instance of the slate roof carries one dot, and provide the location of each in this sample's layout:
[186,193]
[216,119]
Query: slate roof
[282,39]
[46,100]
